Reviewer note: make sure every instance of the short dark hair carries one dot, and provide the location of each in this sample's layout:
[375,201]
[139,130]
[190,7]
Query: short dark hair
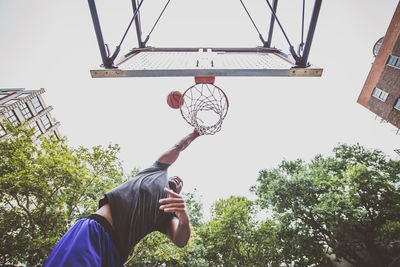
[172,186]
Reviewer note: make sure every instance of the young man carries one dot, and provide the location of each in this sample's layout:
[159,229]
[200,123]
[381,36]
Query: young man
[148,202]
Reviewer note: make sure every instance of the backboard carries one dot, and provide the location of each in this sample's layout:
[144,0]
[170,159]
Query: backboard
[265,60]
[161,62]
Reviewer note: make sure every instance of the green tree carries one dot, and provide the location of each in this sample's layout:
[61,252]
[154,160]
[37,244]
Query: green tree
[196,256]
[45,186]
[156,249]
[233,237]
[194,208]
[347,204]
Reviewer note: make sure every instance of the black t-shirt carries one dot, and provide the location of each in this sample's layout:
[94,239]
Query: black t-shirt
[135,207]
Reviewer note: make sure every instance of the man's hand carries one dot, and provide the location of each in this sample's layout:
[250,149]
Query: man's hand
[179,229]
[196,132]
[174,203]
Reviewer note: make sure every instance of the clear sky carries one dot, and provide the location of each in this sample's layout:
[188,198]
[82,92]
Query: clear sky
[51,44]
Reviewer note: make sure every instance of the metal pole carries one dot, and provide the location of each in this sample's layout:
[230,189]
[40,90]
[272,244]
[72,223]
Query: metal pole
[254,24]
[302,61]
[107,63]
[138,26]
[271,25]
[291,49]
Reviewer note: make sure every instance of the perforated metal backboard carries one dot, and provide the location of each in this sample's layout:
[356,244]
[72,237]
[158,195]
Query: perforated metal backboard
[161,62]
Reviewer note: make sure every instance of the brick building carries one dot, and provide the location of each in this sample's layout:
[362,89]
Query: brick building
[19,105]
[381,91]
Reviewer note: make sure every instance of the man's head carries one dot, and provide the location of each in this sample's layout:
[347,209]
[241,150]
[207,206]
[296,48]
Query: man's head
[176,184]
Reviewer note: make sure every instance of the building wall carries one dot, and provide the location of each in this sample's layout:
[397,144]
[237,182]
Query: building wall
[389,81]
[38,117]
[391,76]
[385,77]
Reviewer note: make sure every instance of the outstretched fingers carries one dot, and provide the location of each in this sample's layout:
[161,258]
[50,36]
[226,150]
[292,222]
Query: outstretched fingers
[174,203]
[172,194]
[172,209]
[173,206]
[171,200]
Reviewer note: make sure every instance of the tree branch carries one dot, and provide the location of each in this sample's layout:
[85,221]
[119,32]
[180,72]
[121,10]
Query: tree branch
[9,203]
[24,208]
[30,218]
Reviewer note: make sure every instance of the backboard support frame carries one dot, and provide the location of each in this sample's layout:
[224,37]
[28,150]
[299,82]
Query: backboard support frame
[110,68]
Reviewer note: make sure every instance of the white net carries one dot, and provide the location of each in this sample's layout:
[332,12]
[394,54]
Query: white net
[204,106]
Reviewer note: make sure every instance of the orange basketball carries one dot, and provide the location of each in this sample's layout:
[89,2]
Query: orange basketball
[174,99]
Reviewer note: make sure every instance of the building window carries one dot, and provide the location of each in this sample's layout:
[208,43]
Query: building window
[397,105]
[393,61]
[37,129]
[26,111]
[11,117]
[2,131]
[37,105]
[380,94]
[46,122]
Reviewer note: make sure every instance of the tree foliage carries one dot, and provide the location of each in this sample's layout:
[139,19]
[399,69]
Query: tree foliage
[45,186]
[347,204]
[194,208]
[157,250]
[233,237]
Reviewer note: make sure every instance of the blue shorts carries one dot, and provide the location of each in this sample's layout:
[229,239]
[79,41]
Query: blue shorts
[87,243]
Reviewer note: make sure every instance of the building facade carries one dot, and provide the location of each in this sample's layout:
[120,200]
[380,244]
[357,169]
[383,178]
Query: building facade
[20,105]
[381,91]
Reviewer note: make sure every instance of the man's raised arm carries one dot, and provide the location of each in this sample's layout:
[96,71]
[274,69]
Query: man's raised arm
[171,155]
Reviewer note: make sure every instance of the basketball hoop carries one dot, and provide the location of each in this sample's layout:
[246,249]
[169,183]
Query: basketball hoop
[204,106]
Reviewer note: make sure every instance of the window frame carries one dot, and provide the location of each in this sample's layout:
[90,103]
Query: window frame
[38,130]
[380,94]
[12,117]
[38,108]
[393,61]
[48,124]
[397,104]
[26,108]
